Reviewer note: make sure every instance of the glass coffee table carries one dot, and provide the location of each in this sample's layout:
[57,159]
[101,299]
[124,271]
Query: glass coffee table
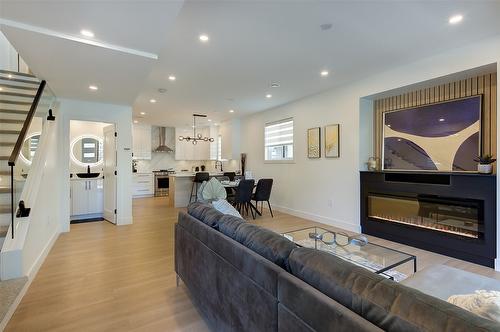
[373,257]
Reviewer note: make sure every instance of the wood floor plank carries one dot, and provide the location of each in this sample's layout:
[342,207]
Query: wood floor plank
[100,277]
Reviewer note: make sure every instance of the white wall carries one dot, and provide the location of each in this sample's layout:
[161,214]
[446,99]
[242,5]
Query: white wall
[8,55]
[119,115]
[304,187]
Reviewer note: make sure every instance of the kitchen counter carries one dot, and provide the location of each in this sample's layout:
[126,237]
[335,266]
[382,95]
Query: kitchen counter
[191,174]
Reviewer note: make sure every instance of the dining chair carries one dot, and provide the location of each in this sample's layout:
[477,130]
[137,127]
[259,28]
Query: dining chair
[263,194]
[242,200]
[199,178]
[230,175]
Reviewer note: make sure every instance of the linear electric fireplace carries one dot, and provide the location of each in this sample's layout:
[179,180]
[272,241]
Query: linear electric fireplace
[462,217]
[452,214]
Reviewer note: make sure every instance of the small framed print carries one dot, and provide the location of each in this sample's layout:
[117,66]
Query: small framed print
[332,141]
[314,143]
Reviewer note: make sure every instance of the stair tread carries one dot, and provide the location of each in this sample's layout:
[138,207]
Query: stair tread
[16,94]
[19,80]
[5,71]
[9,132]
[4,173]
[4,208]
[4,190]
[11,121]
[11,111]
[14,102]
[17,87]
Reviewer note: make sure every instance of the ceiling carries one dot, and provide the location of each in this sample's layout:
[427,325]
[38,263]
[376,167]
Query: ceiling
[252,44]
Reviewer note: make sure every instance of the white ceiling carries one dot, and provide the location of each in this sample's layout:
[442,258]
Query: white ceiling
[252,44]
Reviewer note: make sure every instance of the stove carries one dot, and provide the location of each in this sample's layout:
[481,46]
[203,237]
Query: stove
[162,181]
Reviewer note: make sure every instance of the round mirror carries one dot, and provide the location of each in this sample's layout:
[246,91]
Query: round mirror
[87,150]
[29,147]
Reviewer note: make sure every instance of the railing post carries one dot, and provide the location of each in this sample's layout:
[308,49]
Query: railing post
[12,200]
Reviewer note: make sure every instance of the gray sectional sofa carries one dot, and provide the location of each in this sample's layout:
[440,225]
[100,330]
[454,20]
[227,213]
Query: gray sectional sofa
[246,278]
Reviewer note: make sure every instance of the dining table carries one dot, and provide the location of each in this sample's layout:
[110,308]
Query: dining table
[233,185]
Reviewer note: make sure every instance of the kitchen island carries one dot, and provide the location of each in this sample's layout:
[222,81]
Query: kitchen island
[180,185]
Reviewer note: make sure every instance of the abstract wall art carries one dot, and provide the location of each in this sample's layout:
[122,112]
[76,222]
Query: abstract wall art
[441,137]
[314,142]
[332,141]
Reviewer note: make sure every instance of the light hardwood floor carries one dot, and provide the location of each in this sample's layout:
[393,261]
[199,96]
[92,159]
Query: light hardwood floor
[100,277]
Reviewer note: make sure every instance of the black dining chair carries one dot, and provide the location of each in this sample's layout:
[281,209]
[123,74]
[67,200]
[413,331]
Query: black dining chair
[230,175]
[199,178]
[263,194]
[242,200]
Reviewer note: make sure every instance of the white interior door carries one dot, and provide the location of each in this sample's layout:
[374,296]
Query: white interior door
[109,173]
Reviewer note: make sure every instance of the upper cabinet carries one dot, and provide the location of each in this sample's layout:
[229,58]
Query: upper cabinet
[230,139]
[141,136]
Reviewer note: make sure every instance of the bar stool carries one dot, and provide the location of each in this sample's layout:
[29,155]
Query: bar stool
[199,178]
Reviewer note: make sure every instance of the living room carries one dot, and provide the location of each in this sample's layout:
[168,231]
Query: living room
[326,69]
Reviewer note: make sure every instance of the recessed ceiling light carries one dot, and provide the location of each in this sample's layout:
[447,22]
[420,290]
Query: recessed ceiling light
[135,121]
[9,76]
[93,87]
[1,89]
[204,38]
[162,90]
[324,73]
[152,101]
[269,95]
[143,113]
[275,85]
[325,26]
[441,120]
[455,19]
[87,33]
[216,124]
[209,120]
[231,111]
[172,77]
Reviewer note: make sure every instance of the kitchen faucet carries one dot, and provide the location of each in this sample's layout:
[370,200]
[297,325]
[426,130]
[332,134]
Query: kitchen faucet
[218,163]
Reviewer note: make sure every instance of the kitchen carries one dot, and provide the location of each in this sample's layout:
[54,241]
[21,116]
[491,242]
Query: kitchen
[161,161]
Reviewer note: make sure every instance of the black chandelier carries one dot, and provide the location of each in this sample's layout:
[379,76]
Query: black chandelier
[196,137]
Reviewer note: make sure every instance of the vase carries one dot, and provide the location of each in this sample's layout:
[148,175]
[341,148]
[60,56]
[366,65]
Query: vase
[485,169]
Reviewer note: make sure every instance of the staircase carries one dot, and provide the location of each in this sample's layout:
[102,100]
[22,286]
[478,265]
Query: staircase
[17,93]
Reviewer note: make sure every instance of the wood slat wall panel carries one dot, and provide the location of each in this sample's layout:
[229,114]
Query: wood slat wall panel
[485,85]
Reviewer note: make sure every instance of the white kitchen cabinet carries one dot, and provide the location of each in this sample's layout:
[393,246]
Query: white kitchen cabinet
[87,198]
[141,141]
[143,185]
[230,137]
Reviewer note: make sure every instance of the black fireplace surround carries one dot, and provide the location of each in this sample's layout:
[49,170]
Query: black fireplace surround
[449,213]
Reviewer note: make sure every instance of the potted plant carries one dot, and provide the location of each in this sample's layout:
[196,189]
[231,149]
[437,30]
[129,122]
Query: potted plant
[485,163]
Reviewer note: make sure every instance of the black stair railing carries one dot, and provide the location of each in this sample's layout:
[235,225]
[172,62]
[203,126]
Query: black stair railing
[17,148]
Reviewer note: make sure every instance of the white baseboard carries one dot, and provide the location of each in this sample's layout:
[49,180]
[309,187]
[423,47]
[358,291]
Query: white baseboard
[31,276]
[317,218]
[497,264]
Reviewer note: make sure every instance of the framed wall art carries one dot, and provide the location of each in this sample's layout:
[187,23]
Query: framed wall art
[314,143]
[332,141]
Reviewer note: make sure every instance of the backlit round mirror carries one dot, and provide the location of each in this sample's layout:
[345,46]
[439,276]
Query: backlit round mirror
[87,150]
[29,147]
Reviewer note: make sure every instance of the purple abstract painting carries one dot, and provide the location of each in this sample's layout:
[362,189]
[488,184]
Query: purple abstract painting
[441,137]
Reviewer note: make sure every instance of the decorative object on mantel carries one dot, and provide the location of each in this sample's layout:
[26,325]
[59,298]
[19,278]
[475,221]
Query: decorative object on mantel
[332,141]
[372,164]
[441,137]
[314,142]
[485,164]
[243,158]
[196,137]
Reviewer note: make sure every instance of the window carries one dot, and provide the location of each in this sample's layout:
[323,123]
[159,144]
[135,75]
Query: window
[219,147]
[278,137]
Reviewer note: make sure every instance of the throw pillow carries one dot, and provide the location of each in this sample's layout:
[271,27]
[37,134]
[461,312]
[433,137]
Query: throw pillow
[482,303]
[225,207]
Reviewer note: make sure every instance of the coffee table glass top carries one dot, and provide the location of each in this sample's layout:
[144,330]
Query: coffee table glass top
[373,257]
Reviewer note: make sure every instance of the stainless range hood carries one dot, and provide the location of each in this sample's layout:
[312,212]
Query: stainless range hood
[163,138]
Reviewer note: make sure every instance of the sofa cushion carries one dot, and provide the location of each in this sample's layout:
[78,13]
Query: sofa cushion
[266,243]
[389,305]
[228,224]
[205,212]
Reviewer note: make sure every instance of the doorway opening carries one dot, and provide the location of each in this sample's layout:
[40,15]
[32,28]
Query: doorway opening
[92,171]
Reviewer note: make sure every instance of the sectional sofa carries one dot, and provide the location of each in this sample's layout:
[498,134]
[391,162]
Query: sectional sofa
[246,278]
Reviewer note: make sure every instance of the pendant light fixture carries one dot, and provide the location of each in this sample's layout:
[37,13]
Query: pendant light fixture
[196,137]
